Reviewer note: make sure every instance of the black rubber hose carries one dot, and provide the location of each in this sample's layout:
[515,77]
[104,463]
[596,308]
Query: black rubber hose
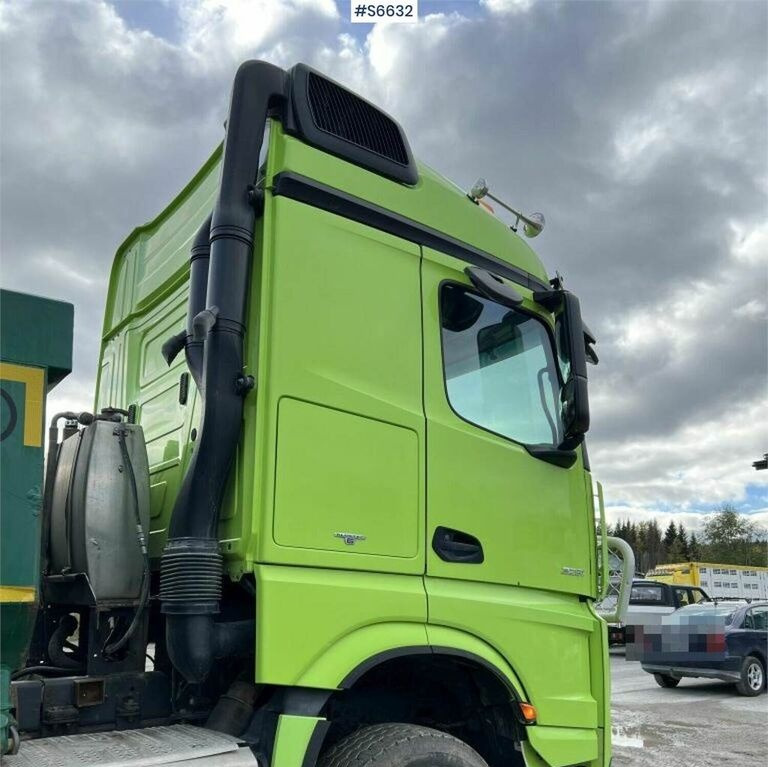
[31,670]
[67,626]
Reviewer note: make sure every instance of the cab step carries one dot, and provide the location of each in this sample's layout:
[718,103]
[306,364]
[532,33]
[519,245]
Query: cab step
[179,745]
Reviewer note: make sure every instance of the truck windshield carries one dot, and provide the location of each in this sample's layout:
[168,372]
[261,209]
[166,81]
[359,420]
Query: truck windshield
[500,368]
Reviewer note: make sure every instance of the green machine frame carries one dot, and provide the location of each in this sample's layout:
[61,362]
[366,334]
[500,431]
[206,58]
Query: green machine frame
[35,354]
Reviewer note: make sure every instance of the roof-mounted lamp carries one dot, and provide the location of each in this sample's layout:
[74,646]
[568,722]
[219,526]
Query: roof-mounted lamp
[532,224]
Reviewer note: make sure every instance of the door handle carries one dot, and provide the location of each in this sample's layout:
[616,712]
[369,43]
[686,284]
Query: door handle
[455,546]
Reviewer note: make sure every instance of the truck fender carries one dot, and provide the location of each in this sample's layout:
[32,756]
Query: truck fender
[359,645]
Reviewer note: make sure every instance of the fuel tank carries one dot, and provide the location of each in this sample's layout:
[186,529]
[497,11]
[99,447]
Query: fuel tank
[100,492]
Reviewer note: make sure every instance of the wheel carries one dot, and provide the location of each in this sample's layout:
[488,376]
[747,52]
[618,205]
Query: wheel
[752,679]
[400,745]
[665,680]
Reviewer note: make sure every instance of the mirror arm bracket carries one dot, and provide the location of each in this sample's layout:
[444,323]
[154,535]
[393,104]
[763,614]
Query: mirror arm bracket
[549,299]
[493,287]
[558,456]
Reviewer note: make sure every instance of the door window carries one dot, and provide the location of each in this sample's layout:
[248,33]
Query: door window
[500,368]
[697,595]
[682,597]
[757,619]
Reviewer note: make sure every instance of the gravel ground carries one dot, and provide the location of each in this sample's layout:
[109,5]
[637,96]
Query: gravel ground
[700,723]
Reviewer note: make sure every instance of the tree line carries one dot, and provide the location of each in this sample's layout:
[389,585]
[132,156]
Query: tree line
[727,537]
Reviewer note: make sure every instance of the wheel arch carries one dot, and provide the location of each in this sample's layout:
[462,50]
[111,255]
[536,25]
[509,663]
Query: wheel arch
[759,653]
[358,652]
[447,645]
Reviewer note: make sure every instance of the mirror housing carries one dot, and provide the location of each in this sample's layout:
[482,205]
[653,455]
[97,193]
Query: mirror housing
[575,395]
[493,287]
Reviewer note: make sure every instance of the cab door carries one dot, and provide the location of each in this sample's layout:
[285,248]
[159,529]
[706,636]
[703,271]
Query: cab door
[495,513]
[342,389]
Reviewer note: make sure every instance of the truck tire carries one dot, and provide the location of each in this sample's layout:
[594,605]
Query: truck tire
[400,745]
[752,680]
[665,680]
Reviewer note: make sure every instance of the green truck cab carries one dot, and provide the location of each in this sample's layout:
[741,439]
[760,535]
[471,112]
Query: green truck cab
[371,516]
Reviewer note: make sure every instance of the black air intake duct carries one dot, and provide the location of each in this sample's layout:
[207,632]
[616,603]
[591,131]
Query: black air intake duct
[199,256]
[191,567]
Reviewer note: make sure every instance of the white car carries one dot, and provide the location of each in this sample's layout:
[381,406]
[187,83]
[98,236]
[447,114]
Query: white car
[649,601]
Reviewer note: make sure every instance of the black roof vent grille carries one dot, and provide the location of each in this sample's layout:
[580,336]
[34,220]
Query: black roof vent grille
[345,124]
[337,111]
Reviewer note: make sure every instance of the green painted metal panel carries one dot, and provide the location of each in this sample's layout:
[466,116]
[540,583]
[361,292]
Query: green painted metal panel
[340,332]
[154,258]
[37,331]
[544,636]
[532,759]
[345,483]
[22,487]
[314,626]
[35,353]
[292,739]
[563,746]
[434,201]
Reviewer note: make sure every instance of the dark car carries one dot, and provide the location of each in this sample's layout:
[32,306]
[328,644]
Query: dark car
[717,640]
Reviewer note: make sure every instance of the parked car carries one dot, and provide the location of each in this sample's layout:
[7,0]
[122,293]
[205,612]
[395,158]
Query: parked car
[716,640]
[649,601]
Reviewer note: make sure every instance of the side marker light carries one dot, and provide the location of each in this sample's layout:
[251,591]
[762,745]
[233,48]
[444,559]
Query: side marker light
[528,712]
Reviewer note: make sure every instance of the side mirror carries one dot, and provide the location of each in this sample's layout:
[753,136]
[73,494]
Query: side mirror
[575,394]
[572,352]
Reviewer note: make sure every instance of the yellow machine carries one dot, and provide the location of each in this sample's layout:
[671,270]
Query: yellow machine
[719,581]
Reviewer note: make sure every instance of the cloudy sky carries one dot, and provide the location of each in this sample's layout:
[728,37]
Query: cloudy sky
[640,130]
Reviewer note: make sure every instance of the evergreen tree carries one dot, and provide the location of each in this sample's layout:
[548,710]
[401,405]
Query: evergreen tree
[675,553]
[633,537]
[694,550]
[670,534]
[655,545]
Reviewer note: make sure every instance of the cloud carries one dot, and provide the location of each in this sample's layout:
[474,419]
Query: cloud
[102,123]
[507,6]
[638,129]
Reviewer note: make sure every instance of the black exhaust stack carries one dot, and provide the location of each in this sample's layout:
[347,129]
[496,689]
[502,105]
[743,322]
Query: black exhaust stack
[191,566]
